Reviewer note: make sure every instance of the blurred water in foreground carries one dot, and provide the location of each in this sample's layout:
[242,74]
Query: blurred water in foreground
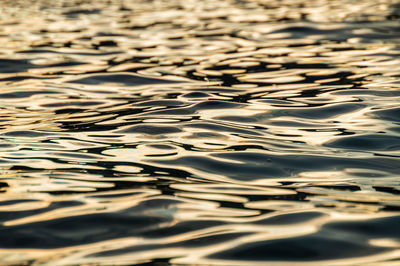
[213,132]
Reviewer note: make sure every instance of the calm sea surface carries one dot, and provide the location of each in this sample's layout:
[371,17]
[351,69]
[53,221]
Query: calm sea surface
[208,132]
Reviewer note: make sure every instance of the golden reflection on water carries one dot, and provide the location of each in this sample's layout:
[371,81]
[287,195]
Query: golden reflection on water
[199,132]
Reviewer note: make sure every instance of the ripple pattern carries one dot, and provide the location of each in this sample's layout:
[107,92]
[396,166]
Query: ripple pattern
[211,132]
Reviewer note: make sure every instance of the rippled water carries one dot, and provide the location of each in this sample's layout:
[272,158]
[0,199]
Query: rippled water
[213,132]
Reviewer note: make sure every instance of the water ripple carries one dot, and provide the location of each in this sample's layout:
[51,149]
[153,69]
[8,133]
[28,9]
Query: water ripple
[210,132]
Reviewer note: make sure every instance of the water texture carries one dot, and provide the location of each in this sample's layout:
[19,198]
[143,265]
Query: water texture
[209,132]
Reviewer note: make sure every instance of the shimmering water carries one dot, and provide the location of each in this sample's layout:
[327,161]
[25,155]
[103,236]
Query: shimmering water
[214,132]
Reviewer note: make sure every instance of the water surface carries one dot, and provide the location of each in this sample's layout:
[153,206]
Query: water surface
[200,132]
